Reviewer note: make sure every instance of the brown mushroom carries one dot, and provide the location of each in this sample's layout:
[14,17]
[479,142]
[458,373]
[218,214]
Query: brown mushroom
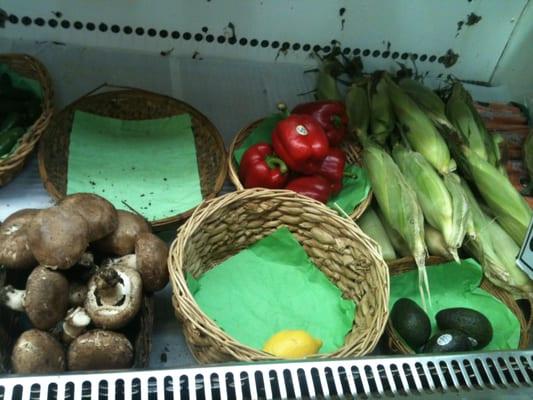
[75,323]
[122,241]
[100,214]
[114,296]
[100,349]
[150,259]
[15,250]
[58,237]
[45,299]
[36,351]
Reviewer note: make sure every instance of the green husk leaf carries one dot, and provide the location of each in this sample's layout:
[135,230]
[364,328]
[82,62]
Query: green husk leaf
[358,109]
[370,224]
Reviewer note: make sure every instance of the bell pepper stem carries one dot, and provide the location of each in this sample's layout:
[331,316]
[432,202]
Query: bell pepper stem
[276,162]
[350,175]
[282,108]
[336,121]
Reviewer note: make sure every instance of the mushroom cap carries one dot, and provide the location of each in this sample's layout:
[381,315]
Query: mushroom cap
[36,351]
[100,214]
[100,349]
[113,308]
[15,250]
[152,254]
[47,297]
[122,241]
[58,237]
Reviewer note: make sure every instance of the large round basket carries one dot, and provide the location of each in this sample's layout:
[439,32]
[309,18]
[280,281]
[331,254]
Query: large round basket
[395,342]
[350,148]
[226,225]
[27,67]
[133,104]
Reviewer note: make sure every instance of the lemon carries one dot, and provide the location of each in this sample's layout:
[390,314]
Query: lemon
[292,344]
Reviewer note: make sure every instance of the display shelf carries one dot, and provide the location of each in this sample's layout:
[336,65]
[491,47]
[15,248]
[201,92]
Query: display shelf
[232,93]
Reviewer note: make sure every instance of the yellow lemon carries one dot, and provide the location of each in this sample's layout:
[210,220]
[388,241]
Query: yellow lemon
[292,344]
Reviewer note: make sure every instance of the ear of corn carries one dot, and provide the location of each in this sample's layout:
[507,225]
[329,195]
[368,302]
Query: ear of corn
[381,116]
[400,247]
[509,208]
[358,109]
[371,225]
[460,214]
[528,162]
[420,132]
[399,206]
[496,251]
[326,85]
[426,99]
[435,242]
[440,200]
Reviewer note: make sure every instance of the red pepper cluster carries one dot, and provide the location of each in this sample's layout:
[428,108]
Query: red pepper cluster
[303,156]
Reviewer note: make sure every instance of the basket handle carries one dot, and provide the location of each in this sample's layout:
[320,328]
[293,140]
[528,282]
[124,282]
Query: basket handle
[108,86]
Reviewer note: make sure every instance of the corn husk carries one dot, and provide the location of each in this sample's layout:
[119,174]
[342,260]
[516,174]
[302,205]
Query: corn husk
[358,109]
[419,130]
[435,243]
[381,116]
[496,251]
[528,162]
[510,209]
[399,206]
[370,224]
[400,247]
[460,214]
[441,210]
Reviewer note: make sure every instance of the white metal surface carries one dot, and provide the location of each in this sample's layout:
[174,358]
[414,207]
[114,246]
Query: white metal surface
[374,28]
[474,376]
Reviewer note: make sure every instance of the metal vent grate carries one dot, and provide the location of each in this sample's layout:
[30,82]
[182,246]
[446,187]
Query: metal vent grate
[376,377]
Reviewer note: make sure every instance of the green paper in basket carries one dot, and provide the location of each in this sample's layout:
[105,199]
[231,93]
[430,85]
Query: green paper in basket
[355,187]
[150,165]
[272,286]
[21,82]
[457,285]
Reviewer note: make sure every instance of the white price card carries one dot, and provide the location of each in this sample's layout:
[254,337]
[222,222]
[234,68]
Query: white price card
[525,257]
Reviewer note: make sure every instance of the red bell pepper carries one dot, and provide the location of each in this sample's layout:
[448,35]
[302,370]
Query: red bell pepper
[301,142]
[313,186]
[332,168]
[261,168]
[330,114]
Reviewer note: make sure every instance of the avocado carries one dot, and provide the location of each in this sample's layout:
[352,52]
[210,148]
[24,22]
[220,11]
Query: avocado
[448,341]
[411,322]
[474,324]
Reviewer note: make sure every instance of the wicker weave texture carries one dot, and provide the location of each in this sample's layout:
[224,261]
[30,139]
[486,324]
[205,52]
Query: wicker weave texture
[350,148]
[396,343]
[222,227]
[28,67]
[133,104]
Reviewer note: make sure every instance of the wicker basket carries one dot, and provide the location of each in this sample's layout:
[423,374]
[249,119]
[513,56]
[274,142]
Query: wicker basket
[12,324]
[396,343]
[132,104]
[222,227]
[28,67]
[350,148]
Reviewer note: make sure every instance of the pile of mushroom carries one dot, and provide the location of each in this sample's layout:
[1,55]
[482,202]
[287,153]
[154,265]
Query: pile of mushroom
[87,266]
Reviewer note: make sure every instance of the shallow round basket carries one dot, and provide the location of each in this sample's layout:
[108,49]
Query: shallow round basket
[133,104]
[350,148]
[222,227]
[28,67]
[396,343]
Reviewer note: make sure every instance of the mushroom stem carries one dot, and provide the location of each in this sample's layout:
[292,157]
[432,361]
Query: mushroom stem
[12,298]
[129,261]
[75,323]
[77,293]
[87,260]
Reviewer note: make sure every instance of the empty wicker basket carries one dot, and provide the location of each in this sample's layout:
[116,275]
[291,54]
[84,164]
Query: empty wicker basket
[350,148]
[28,67]
[132,104]
[395,342]
[222,227]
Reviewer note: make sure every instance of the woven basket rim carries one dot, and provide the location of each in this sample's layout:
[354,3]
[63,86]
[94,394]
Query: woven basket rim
[396,267]
[234,174]
[11,165]
[207,326]
[117,92]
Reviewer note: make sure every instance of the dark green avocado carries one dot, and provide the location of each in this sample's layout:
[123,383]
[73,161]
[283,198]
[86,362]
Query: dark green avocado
[474,324]
[411,322]
[448,341]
